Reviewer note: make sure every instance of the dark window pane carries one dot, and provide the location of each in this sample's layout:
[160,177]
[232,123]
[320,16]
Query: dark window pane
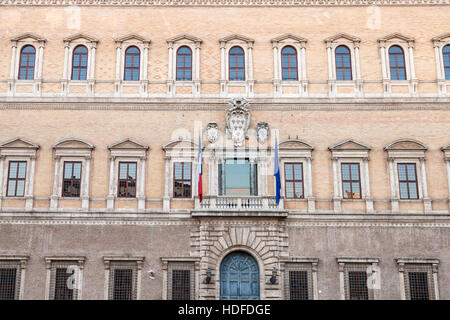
[418,285]
[7,283]
[62,292]
[181,285]
[298,285]
[123,284]
[357,284]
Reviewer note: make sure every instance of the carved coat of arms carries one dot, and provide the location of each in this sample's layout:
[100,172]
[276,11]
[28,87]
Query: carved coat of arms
[238,120]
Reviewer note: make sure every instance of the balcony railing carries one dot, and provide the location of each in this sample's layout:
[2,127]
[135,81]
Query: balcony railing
[243,203]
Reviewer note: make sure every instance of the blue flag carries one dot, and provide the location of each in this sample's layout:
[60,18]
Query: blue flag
[276,173]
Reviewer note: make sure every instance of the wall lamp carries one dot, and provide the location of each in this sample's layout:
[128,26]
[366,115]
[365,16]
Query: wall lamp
[208,276]
[273,278]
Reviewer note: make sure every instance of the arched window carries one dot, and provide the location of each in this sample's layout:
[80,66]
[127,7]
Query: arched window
[184,64]
[79,63]
[26,65]
[397,63]
[132,64]
[289,63]
[237,64]
[343,63]
[446,59]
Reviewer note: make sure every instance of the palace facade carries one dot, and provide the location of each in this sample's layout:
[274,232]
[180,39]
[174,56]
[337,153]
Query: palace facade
[102,108]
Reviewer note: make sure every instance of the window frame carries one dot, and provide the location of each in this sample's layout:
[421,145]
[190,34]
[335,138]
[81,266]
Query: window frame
[63,195]
[127,180]
[19,263]
[113,263]
[289,63]
[174,180]
[59,262]
[237,68]
[184,68]
[253,175]
[407,181]
[172,265]
[351,181]
[425,265]
[294,180]
[125,68]
[79,67]
[16,179]
[396,67]
[27,65]
[353,264]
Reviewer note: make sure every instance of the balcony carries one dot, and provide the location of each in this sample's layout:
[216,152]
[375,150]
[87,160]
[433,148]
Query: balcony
[262,206]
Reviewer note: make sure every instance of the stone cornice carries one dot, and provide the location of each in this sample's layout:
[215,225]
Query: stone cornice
[223,3]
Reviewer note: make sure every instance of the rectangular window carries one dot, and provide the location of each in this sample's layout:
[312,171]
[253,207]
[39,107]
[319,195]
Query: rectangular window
[71,179]
[293,176]
[62,279]
[298,285]
[238,177]
[407,178]
[418,285]
[181,283]
[357,285]
[16,178]
[127,180]
[8,277]
[351,181]
[182,180]
[123,284]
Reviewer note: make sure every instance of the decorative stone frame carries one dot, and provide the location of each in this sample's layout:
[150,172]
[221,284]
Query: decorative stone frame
[53,262]
[20,263]
[18,149]
[369,265]
[439,43]
[299,44]
[297,151]
[122,44]
[431,266]
[127,150]
[116,262]
[181,150]
[72,149]
[446,151]
[194,44]
[351,151]
[407,44]
[17,43]
[70,43]
[181,263]
[247,46]
[407,151]
[352,43]
[300,264]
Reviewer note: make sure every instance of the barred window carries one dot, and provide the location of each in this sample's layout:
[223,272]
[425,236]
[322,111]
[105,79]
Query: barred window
[127,179]
[123,280]
[132,64]
[397,63]
[181,285]
[79,63]
[27,63]
[418,285]
[357,283]
[182,181]
[293,176]
[343,63]
[236,64]
[298,285]
[16,178]
[71,179]
[62,290]
[8,283]
[351,181]
[184,64]
[407,178]
[289,63]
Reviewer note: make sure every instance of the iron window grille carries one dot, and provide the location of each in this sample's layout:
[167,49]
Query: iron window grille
[397,63]
[16,178]
[123,280]
[9,280]
[132,64]
[293,177]
[127,180]
[79,63]
[180,281]
[63,280]
[27,63]
[351,180]
[182,180]
[236,64]
[343,63]
[419,282]
[289,63]
[298,281]
[184,64]
[355,282]
[407,178]
[71,179]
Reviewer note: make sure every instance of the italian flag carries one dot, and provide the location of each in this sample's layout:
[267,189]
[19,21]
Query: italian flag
[199,170]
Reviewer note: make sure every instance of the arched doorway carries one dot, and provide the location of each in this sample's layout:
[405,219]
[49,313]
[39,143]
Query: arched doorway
[239,277]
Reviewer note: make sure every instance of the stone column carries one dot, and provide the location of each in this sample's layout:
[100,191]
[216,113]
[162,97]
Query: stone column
[55,195]
[2,164]
[29,194]
[331,87]
[110,197]
[117,88]
[166,199]
[223,86]
[309,193]
[141,190]
[85,184]
[170,71]
[303,71]
[276,76]
[447,160]
[337,195]
[369,200]
[394,187]
[426,199]
[65,78]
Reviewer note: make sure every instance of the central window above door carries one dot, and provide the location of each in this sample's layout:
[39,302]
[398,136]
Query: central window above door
[238,177]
